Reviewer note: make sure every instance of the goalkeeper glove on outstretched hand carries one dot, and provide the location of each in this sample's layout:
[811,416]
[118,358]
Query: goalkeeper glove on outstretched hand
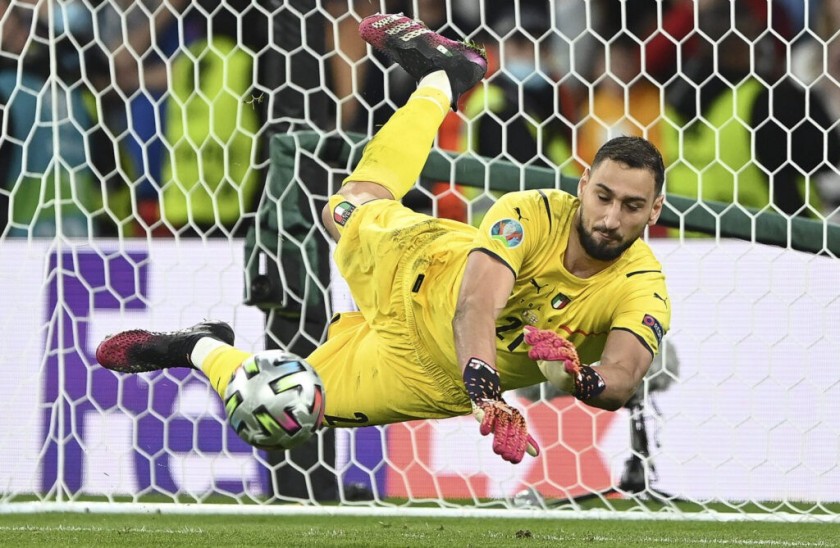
[510,433]
[558,360]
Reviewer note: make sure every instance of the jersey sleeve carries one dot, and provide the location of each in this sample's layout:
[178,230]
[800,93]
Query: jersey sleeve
[513,227]
[646,311]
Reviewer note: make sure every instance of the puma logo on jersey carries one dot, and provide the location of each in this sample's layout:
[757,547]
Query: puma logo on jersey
[661,298]
[537,285]
[519,214]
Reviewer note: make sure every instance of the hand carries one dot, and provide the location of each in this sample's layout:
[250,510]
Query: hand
[558,360]
[556,357]
[510,433]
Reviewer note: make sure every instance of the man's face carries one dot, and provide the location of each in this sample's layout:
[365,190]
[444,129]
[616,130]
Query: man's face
[617,202]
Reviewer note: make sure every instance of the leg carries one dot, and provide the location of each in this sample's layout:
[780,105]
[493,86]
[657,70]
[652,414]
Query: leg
[393,159]
[371,378]
[138,350]
[207,346]
[390,165]
[367,379]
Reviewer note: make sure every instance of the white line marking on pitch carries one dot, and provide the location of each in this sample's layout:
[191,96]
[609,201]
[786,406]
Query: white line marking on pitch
[712,541]
[76,528]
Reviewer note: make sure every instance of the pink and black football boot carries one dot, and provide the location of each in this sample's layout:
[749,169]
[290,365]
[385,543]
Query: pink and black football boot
[138,350]
[421,51]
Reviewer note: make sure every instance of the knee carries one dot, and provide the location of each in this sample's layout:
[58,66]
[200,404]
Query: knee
[359,192]
[356,193]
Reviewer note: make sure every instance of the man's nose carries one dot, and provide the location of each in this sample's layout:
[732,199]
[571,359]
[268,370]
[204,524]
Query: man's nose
[612,219]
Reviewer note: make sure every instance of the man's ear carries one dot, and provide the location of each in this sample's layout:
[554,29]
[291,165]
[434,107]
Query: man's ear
[584,179]
[656,211]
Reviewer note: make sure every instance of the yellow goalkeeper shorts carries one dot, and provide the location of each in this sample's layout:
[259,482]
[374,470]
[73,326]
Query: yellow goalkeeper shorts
[374,365]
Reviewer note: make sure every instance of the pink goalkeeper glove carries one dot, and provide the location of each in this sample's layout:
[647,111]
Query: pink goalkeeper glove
[558,360]
[511,439]
[549,346]
[510,433]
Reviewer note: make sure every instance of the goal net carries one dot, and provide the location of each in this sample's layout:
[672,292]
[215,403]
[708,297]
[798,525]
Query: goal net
[165,162]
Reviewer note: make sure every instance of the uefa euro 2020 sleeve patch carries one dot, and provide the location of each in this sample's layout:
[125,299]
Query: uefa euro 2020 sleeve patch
[507,231]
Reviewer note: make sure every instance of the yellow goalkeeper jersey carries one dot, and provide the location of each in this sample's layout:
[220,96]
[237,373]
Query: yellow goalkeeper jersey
[395,359]
[528,231]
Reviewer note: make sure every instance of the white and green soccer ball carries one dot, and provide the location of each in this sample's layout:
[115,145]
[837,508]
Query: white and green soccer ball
[275,400]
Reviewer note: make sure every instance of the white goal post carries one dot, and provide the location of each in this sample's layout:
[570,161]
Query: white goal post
[163,161]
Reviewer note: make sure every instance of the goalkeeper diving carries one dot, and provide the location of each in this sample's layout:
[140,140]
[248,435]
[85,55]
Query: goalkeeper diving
[549,287]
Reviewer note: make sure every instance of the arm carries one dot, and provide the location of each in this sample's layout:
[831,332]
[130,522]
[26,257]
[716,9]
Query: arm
[624,363]
[474,327]
[479,304]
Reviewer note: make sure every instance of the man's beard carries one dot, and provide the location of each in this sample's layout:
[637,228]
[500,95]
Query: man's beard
[601,250]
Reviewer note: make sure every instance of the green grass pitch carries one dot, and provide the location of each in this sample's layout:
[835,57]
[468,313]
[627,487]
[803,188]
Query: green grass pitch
[157,530]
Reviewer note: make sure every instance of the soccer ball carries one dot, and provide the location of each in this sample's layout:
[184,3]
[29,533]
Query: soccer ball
[275,400]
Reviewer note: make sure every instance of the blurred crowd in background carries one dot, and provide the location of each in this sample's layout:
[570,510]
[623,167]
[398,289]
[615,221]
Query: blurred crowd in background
[162,121]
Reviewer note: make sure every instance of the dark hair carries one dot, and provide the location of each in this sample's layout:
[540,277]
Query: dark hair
[634,152]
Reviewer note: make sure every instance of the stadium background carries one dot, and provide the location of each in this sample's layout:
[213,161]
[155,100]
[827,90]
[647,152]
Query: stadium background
[145,184]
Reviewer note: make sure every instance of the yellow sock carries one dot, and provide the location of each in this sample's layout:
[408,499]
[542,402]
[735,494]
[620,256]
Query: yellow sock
[397,153]
[220,364]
